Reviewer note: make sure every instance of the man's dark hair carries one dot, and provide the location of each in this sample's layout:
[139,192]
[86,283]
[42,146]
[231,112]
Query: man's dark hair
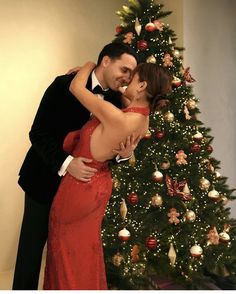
[115,50]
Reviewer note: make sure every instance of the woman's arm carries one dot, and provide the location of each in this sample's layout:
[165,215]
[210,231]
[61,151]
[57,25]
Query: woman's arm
[103,110]
[125,101]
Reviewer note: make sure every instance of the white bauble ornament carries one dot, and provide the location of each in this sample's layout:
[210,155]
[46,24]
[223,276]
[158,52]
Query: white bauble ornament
[224,237]
[217,174]
[157,176]
[196,250]
[214,195]
[198,136]
[124,235]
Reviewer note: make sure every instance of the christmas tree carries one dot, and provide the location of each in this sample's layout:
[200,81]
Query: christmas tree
[167,217]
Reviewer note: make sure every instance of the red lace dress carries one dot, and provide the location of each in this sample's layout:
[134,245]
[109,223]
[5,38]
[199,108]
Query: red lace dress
[74,248]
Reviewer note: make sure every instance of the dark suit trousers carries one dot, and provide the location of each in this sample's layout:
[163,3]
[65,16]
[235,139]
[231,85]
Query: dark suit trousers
[29,255]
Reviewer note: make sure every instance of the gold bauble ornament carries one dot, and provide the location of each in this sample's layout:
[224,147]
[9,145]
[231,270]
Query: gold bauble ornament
[190,215]
[191,104]
[147,135]
[211,168]
[169,116]
[172,254]
[213,237]
[176,53]
[151,59]
[157,200]
[123,209]
[224,199]
[116,183]
[165,164]
[204,184]
[196,250]
[214,195]
[117,259]
[132,160]
[205,161]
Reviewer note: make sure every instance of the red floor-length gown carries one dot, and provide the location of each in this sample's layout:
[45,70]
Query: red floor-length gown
[74,249]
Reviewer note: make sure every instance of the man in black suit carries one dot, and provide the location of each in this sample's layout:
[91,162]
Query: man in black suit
[46,162]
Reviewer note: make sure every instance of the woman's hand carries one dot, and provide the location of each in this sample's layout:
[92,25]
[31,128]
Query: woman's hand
[89,66]
[73,70]
[126,149]
[78,68]
[81,78]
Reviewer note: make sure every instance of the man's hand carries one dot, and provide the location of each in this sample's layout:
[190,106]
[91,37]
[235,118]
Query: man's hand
[79,170]
[74,70]
[127,148]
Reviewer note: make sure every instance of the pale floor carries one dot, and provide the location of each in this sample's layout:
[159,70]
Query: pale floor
[6,278]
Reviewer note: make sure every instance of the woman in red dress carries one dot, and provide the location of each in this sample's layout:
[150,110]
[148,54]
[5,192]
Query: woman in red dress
[75,255]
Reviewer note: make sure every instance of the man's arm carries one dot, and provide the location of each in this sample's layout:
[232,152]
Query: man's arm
[51,125]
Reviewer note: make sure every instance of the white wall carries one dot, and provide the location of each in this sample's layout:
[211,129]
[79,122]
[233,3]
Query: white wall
[210,42]
[39,40]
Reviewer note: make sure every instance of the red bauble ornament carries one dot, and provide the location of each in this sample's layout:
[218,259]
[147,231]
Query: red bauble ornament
[159,135]
[119,29]
[150,27]
[147,135]
[157,176]
[124,235]
[142,45]
[176,82]
[209,149]
[133,198]
[195,148]
[151,243]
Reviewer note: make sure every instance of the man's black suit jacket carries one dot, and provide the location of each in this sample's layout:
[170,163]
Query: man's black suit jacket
[58,114]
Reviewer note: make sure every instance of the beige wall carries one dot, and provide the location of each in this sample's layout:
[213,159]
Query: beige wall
[210,41]
[39,40]
[175,19]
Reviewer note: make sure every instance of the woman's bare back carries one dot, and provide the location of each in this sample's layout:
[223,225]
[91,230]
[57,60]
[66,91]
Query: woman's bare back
[105,138]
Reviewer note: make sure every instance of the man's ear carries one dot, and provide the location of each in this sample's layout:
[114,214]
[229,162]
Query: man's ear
[106,61]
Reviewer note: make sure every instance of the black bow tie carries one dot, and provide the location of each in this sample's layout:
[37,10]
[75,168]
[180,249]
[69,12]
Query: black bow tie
[98,90]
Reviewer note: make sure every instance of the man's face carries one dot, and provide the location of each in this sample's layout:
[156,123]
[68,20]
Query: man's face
[118,72]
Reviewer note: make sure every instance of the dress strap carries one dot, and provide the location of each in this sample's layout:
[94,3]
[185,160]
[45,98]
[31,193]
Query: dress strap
[142,110]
